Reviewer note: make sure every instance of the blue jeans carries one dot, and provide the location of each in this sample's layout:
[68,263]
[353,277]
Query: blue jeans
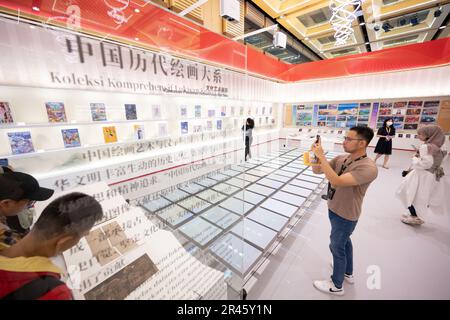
[341,247]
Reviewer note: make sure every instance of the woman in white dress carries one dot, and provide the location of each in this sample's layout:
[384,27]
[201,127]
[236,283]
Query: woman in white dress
[423,186]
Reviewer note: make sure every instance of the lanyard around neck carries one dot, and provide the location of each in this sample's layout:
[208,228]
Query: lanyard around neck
[345,165]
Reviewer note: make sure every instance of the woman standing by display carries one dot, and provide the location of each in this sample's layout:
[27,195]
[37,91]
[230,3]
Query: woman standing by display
[248,128]
[384,144]
[424,186]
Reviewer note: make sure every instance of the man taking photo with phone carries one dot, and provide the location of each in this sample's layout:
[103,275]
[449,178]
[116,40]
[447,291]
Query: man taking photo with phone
[349,176]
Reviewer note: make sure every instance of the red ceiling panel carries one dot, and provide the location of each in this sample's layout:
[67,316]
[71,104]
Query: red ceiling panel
[163,30]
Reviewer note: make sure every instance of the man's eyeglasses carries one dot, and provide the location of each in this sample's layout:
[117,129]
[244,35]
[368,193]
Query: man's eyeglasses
[351,139]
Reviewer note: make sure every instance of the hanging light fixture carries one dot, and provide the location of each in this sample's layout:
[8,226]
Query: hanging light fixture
[343,13]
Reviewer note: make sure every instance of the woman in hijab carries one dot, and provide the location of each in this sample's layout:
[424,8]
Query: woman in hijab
[423,186]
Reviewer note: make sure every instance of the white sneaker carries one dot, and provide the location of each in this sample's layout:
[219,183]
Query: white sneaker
[347,277]
[412,220]
[327,286]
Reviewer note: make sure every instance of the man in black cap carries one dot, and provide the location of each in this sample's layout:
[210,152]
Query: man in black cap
[18,191]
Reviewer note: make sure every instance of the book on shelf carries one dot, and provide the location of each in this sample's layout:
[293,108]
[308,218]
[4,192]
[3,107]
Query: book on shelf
[139,132]
[162,129]
[5,113]
[219,124]
[198,111]
[183,111]
[71,138]
[130,112]
[184,127]
[156,111]
[98,112]
[110,134]
[20,142]
[56,112]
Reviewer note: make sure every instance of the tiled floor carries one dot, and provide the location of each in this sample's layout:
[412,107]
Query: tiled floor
[238,226]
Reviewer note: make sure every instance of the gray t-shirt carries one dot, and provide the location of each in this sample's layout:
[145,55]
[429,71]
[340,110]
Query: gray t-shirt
[347,201]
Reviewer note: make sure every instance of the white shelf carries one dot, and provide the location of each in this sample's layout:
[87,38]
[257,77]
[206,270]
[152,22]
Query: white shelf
[24,125]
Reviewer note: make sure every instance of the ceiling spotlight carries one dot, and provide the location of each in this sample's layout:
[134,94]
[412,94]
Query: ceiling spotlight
[137,39]
[376,28]
[366,43]
[362,23]
[35,8]
[306,38]
[437,13]
[443,27]
[137,10]
[402,22]
[414,21]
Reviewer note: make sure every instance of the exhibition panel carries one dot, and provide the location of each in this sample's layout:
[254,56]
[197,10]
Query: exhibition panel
[203,155]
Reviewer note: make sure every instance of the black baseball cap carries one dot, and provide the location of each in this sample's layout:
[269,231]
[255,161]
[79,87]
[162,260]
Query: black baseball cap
[19,186]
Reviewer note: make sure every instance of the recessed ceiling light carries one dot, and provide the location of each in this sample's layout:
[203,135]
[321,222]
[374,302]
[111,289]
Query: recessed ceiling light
[137,10]
[367,43]
[137,39]
[306,38]
[443,27]
[32,27]
[362,23]
[35,8]
[321,51]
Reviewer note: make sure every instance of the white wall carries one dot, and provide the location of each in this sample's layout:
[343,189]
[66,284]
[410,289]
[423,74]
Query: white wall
[402,84]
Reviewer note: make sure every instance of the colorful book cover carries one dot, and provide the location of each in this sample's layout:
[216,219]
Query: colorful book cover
[198,111]
[5,113]
[430,112]
[348,109]
[110,134]
[184,127]
[71,138]
[130,112]
[98,112]
[139,132]
[223,111]
[183,111]
[427,104]
[400,104]
[162,129]
[365,105]
[428,119]
[415,104]
[219,124]
[410,126]
[20,142]
[211,113]
[156,111]
[56,112]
